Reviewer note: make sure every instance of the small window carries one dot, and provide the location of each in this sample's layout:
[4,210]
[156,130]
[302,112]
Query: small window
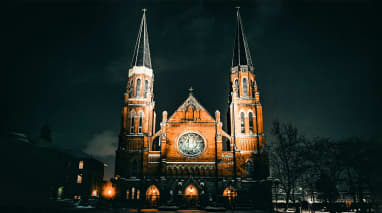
[81,164]
[146,88]
[250,118]
[79,179]
[138,87]
[242,129]
[140,122]
[138,194]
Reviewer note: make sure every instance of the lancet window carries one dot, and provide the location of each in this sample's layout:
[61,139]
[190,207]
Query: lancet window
[237,87]
[132,119]
[138,87]
[146,88]
[253,89]
[250,119]
[140,122]
[245,87]
[242,122]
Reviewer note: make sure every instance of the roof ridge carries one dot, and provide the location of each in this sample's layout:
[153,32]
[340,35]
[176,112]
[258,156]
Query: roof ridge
[184,104]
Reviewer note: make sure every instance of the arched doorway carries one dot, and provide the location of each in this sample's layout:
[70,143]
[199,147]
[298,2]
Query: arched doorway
[155,146]
[191,196]
[152,195]
[230,194]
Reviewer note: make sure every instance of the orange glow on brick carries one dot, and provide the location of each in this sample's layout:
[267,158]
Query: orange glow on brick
[191,192]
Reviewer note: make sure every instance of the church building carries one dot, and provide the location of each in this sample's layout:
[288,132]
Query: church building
[189,161]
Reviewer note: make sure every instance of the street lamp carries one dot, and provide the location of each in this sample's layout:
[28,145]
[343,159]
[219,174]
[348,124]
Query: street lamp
[276,182]
[108,191]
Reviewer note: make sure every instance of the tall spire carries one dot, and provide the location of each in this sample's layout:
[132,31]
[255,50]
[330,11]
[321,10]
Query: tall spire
[141,55]
[241,54]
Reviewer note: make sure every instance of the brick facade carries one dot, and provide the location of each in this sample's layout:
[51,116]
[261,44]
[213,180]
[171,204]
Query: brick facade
[161,160]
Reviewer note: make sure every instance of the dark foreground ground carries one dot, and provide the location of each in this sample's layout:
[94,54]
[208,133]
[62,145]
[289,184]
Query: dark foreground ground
[98,210]
[71,207]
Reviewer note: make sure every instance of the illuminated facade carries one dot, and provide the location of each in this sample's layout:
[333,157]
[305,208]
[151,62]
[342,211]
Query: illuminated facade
[191,158]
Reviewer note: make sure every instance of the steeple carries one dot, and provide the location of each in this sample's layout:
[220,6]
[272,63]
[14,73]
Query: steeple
[141,55]
[241,54]
[138,116]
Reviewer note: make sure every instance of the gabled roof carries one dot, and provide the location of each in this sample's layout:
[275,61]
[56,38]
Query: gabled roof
[141,56]
[191,100]
[241,54]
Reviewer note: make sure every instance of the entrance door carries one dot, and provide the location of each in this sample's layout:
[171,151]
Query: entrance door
[191,197]
[152,196]
[230,194]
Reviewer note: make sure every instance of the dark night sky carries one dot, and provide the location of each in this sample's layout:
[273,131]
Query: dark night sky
[67,63]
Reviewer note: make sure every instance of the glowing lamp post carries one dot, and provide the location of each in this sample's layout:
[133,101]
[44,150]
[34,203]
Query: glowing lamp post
[108,191]
[94,193]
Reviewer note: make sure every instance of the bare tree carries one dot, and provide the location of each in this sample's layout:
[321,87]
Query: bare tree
[325,170]
[360,160]
[285,153]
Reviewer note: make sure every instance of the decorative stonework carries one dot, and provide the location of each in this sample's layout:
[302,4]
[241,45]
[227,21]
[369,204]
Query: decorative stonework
[190,148]
[191,144]
[140,70]
[191,101]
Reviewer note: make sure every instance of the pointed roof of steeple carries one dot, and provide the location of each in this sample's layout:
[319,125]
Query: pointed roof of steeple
[241,54]
[141,56]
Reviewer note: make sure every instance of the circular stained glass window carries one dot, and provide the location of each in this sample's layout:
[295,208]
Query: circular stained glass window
[191,144]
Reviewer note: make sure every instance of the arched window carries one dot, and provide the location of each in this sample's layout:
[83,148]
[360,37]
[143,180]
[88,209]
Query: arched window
[140,122]
[250,118]
[146,88]
[132,123]
[253,89]
[190,112]
[245,87]
[242,129]
[138,87]
[132,193]
[237,87]
[155,145]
